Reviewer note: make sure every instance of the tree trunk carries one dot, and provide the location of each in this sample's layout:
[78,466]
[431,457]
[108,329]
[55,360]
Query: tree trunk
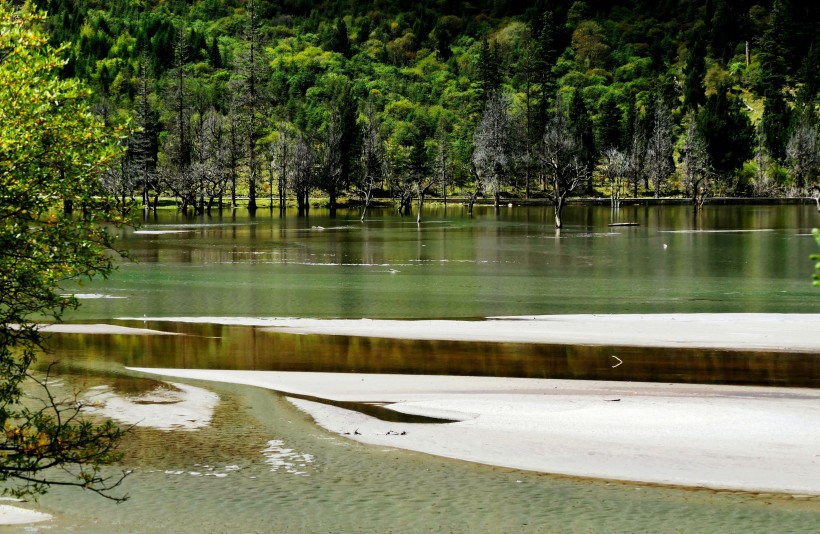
[331,193]
[559,207]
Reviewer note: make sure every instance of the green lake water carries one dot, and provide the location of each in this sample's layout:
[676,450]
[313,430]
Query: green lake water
[233,476]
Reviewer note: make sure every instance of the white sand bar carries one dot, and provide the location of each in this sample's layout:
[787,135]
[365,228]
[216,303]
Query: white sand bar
[730,437]
[101,329]
[787,332]
[14,515]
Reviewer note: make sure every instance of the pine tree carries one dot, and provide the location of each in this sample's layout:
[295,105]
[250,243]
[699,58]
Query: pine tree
[693,90]
[581,125]
[609,124]
[728,132]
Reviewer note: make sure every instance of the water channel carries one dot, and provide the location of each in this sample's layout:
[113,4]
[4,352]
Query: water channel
[263,466]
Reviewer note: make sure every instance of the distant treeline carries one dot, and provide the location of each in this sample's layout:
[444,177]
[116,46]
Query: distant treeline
[293,98]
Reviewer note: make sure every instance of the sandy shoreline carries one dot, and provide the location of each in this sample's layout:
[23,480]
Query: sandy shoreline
[724,437]
[753,331]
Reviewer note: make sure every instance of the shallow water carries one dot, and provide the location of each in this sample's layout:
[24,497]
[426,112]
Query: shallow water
[263,466]
[222,479]
[732,259]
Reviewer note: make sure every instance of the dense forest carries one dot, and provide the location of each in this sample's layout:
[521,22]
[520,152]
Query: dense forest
[390,99]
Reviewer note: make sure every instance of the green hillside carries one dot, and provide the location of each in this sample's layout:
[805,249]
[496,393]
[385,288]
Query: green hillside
[294,99]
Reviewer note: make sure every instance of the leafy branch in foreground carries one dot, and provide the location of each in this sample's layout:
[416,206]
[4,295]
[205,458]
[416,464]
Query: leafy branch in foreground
[50,443]
[53,217]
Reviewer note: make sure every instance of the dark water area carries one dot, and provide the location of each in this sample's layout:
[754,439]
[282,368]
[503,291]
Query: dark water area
[214,346]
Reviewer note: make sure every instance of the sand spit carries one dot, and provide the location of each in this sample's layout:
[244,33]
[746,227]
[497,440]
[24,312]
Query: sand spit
[175,407]
[105,329]
[778,332]
[723,437]
[14,515]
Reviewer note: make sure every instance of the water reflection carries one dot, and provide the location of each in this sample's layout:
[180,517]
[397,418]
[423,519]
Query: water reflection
[213,346]
[733,259]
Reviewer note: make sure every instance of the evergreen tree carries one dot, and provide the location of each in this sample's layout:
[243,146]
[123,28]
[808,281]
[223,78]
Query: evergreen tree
[250,101]
[581,125]
[214,56]
[489,71]
[776,124]
[727,131]
[144,142]
[609,129]
[339,40]
[547,50]
[695,71]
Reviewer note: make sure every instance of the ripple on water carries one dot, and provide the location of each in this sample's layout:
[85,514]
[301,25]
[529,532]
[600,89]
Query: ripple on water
[367,489]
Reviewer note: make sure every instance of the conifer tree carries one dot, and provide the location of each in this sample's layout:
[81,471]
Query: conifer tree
[727,131]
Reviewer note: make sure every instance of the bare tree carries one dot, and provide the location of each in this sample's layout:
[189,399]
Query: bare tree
[659,161]
[120,180]
[696,168]
[283,161]
[491,145]
[372,157]
[235,150]
[613,165]
[763,184]
[636,157]
[564,166]
[175,171]
[332,158]
[398,171]
[803,156]
[443,160]
[212,152]
[304,173]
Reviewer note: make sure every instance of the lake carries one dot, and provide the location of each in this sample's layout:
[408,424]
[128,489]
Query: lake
[263,466]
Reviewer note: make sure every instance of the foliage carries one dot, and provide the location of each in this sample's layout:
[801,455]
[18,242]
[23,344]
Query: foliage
[52,153]
[315,65]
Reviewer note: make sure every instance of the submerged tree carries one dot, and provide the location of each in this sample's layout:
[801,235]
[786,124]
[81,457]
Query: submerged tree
[659,162]
[563,160]
[613,165]
[696,168]
[372,156]
[802,154]
[492,149]
[52,153]
[283,155]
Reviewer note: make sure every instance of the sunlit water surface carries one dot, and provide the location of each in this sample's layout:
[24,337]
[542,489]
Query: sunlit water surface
[263,466]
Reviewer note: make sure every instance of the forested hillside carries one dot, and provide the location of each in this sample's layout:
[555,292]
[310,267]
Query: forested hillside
[295,99]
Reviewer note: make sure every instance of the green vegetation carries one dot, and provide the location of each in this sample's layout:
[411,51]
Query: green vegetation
[52,152]
[275,100]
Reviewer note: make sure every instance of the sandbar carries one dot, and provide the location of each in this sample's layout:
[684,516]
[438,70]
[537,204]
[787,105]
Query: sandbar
[14,515]
[101,329]
[758,439]
[752,331]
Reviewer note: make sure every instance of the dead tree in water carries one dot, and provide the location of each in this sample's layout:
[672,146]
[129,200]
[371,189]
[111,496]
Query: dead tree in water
[564,166]
[696,168]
